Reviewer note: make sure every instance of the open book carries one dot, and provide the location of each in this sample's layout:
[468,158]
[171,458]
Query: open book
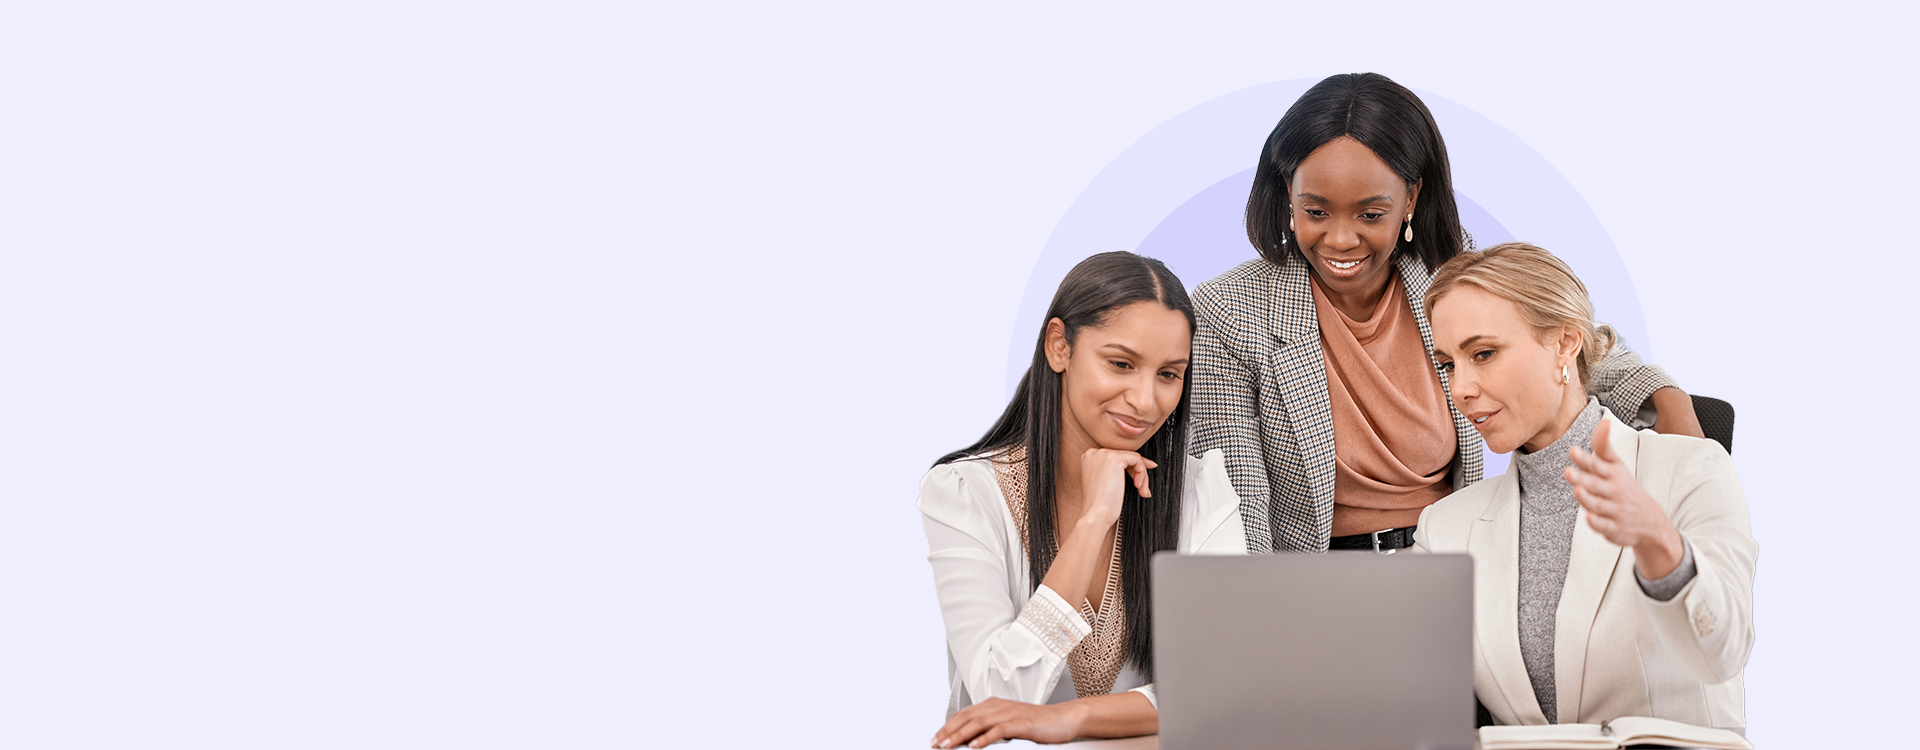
[1621,732]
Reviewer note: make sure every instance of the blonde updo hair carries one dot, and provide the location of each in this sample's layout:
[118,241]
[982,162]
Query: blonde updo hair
[1545,290]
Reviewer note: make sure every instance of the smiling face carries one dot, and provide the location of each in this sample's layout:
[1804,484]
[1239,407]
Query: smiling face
[1349,209]
[1120,379]
[1503,376]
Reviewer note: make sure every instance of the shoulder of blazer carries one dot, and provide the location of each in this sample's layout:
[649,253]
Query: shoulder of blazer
[1415,280]
[1480,501]
[1267,305]
[1238,302]
[1670,457]
[1446,522]
[1418,278]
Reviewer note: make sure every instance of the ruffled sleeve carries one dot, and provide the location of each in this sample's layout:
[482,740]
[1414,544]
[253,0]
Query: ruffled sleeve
[1210,512]
[1004,644]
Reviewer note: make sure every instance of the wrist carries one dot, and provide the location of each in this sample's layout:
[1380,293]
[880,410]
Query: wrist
[1074,716]
[1660,556]
[1676,545]
[1093,523]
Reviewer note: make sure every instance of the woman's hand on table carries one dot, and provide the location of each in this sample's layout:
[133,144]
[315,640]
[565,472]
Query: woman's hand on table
[1621,510]
[995,719]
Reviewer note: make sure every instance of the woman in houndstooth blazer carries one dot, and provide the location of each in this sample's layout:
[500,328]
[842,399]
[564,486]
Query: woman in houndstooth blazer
[1333,215]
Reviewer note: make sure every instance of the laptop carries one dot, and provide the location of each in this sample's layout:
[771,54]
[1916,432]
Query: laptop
[1320,652]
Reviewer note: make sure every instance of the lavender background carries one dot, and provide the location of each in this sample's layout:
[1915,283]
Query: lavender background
[415,374]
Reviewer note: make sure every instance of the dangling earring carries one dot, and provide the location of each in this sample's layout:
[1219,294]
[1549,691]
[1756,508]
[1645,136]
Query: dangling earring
[1564,380]
[1409,233]
[1283,236]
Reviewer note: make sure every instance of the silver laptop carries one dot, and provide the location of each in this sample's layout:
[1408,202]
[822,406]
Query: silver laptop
[1327,652]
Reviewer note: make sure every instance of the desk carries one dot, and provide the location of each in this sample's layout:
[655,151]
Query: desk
[1149,742]
[1152,742]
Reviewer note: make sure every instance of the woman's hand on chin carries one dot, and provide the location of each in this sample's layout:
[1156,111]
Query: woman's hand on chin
[1103,475]
[994,719]
[1621,510]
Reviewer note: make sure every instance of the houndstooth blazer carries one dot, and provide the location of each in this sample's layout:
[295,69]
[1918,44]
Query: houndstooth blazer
[1260,395]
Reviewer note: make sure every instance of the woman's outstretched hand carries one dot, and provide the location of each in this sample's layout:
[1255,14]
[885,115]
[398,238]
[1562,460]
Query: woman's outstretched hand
[1621,510]
[995,719]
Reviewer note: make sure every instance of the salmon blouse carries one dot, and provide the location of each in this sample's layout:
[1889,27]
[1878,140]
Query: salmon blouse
[1393,434]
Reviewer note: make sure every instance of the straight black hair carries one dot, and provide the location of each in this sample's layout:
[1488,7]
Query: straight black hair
[1386,118]
[1091,292]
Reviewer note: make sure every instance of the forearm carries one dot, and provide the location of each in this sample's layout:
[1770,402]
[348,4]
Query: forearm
[1127,714]
[1626,386]
[1708,624]
[1674,415]
[1024,659]
[1071,574]
[1005,643]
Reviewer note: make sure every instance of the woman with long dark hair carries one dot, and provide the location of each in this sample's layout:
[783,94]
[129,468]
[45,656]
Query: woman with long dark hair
[1313,366]
[1040,532]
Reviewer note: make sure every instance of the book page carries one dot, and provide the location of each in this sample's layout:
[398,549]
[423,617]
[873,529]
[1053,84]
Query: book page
[1641,729]
[1546,737]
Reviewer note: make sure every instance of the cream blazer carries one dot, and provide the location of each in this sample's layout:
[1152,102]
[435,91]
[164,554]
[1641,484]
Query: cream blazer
[1005,638]
[1617,651]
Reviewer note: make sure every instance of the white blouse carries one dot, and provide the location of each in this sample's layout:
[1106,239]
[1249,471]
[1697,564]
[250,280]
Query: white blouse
[1002,642]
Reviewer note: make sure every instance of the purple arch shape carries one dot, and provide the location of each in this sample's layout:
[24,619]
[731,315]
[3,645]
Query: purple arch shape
[1178,193]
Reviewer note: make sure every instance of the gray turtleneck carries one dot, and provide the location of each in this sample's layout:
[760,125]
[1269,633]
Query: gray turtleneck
[1548,510]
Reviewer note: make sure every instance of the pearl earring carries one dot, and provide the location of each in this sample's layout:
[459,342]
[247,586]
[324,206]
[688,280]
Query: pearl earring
[1564,380]
[1409,233]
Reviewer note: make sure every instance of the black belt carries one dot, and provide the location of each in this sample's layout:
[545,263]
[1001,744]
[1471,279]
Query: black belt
[1383,542]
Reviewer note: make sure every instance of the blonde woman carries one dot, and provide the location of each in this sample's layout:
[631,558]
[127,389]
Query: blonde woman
[1613,567]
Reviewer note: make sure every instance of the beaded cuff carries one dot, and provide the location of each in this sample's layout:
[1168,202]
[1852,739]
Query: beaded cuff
[1055,628]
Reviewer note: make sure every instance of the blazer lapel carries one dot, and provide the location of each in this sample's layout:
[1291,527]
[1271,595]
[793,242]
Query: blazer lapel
[1494,543]
[1294,320]
[1592,562]
[1298,373]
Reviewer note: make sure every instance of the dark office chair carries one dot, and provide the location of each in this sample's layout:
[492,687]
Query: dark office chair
[1716,419]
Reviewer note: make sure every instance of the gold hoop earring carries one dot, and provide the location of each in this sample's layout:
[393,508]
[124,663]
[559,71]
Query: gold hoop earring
[1409,234]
